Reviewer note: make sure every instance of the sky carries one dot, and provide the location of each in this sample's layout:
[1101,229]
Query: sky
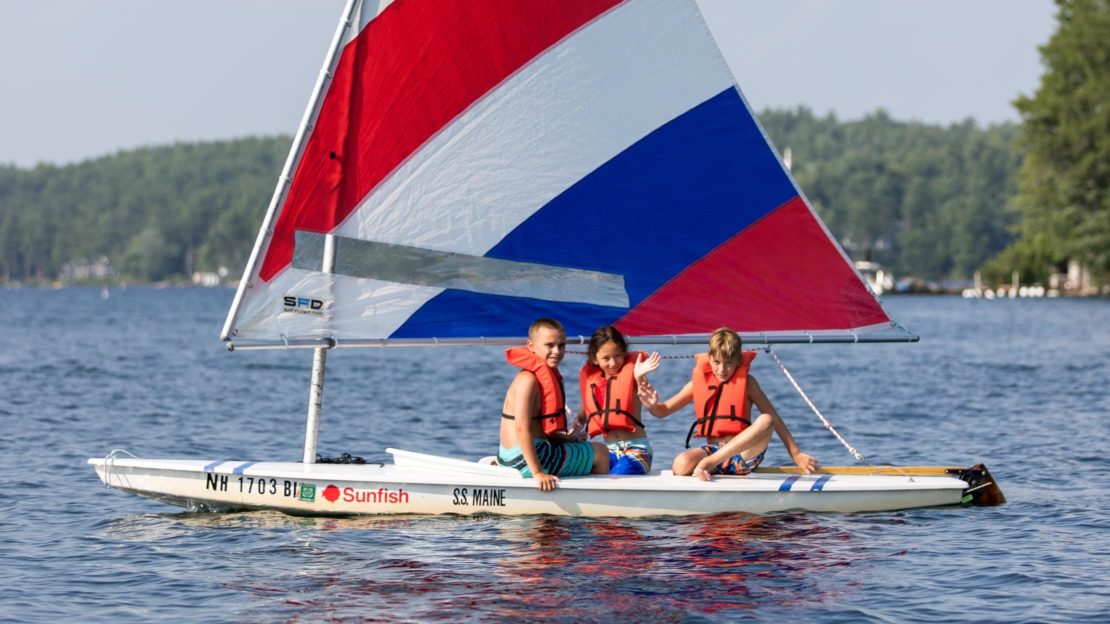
[85,78]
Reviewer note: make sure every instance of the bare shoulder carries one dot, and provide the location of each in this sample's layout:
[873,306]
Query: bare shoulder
[523,385]
[524,381]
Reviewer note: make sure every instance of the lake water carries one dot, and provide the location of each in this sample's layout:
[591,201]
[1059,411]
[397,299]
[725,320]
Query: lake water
[1021,385]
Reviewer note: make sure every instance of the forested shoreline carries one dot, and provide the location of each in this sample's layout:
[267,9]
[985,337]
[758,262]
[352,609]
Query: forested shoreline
[155,213]
[925,201]
[930,202]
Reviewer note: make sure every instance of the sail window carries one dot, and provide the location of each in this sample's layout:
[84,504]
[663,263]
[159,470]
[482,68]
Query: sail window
[455,271]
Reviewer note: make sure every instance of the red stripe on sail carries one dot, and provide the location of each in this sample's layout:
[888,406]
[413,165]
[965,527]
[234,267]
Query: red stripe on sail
[782,273]
[402,79]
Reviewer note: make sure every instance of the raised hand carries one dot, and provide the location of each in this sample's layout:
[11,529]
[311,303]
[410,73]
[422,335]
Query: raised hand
[645,365]
[649,396]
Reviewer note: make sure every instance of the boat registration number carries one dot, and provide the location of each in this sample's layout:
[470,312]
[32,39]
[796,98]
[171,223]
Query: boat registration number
[254,485]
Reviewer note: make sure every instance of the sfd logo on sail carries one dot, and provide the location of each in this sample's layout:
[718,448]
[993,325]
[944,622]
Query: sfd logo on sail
[302,305]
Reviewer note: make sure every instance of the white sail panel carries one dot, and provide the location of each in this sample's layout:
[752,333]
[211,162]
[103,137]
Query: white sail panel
[376,308]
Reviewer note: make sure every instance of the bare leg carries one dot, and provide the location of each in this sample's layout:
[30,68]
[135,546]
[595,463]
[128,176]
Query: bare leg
[601,458]
[686,461]
[753,440]
[747,444]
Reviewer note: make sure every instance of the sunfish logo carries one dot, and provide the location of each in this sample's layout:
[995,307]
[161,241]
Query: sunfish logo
[302,305]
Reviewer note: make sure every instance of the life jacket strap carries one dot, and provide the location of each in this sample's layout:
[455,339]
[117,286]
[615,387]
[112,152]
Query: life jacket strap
[605,414]
[541,417]
[706,430]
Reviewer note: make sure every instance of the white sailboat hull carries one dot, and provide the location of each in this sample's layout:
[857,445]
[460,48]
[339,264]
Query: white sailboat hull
[421,484]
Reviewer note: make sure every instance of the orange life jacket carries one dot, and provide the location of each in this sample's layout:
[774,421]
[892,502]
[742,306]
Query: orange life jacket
[720,409]
[553,413]
[615,410]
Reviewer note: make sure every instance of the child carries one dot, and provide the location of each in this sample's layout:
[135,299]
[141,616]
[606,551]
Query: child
[534,417]
[610,406]
[723,393]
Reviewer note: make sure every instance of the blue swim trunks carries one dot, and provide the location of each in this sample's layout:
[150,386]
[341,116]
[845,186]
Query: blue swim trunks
[630,457]
[735,465]
[562,459]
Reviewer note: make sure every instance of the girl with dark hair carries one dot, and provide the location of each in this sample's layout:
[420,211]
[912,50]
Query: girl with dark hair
[611,408]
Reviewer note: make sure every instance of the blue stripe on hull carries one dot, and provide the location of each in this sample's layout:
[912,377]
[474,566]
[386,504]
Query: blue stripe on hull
[788,483]
[685,188]
[819,484]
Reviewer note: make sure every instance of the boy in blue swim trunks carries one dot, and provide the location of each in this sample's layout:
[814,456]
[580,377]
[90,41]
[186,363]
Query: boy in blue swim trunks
[723,394]
[533,417]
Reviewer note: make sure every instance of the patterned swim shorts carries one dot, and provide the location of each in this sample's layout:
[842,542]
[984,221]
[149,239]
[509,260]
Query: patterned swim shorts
[735,465]
[630,457]
[562,459]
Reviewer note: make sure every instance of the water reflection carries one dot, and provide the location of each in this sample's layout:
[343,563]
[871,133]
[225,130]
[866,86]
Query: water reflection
[750,561]
[666,567]
[535,567]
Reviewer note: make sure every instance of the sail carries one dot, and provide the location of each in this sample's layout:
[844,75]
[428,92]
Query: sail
[472,166]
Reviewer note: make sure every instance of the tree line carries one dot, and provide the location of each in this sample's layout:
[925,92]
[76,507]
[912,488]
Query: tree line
[922,200]
[1063,194]
[156,213]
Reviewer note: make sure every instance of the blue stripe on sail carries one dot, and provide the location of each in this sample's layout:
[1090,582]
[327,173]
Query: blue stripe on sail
[647,214]
[455,313]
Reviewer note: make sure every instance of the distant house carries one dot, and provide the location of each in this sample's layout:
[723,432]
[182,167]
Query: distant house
[1076,281]
[208,279]
[78,270]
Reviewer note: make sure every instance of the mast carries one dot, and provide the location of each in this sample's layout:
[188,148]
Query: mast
[319,354]
[315,405]
[316,384]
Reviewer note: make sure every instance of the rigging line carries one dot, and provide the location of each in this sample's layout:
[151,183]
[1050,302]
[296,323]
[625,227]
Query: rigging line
[110,464]
[661,357]
[851,449]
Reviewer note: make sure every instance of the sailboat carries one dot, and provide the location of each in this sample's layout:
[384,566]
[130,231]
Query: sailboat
[464,168]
